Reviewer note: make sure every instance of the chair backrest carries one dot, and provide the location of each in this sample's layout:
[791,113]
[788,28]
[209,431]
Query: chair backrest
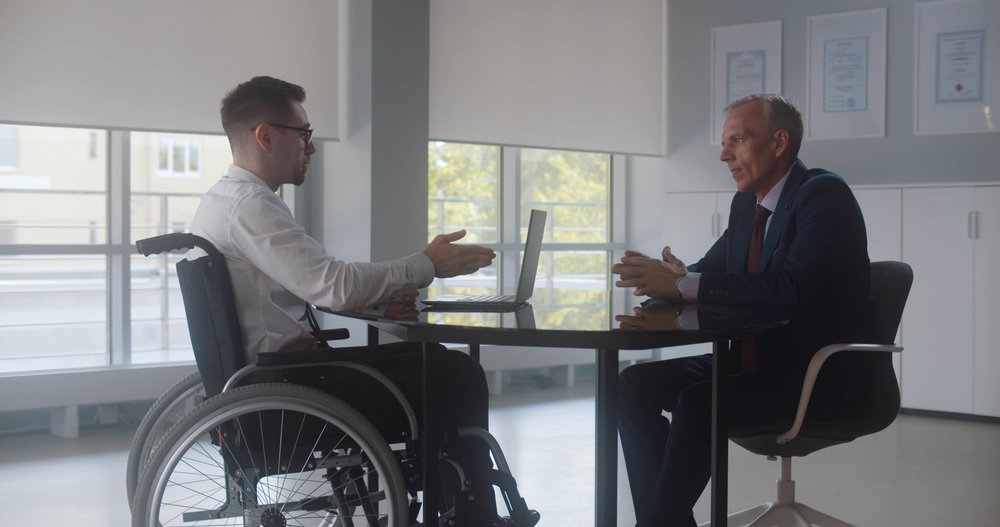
[891,283]
[871,379]
[207,290]
[890,287]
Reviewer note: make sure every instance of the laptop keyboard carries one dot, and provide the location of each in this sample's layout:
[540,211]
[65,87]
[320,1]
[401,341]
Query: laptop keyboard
[489,298]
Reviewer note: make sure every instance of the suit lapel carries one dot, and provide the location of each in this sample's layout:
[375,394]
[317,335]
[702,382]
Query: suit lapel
[781,214]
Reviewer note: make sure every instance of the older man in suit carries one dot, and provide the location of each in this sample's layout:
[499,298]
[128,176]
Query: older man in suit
[795,241]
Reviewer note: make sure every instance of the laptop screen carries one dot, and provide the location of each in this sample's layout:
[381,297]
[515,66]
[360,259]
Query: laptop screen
[532,252]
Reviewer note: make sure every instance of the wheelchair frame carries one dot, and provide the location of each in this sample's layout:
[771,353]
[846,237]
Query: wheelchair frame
[216,338]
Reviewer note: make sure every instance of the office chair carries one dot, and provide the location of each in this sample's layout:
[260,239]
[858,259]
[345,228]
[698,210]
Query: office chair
[890,286]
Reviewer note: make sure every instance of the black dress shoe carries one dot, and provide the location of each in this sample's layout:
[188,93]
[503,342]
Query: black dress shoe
[506,521]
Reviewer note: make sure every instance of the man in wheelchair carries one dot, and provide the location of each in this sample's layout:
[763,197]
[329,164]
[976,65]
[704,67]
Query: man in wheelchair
[277,271]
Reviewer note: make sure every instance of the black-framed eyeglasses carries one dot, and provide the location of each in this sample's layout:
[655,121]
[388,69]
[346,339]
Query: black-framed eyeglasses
[305,133]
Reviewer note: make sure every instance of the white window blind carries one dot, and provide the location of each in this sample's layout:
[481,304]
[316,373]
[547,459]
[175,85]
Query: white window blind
[160,64]
[568,74]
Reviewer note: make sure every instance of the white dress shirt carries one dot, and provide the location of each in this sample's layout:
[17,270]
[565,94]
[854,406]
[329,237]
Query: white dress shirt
[277,268]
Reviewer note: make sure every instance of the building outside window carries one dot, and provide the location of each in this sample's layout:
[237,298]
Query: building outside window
[68,224]
[179,157]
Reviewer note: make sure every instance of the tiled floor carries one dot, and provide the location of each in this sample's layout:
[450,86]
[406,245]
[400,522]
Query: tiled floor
[922,472]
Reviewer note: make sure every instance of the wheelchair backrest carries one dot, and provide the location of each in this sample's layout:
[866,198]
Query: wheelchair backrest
[207,290]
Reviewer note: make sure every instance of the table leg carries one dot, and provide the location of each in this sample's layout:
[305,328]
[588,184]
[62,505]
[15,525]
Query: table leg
[720,434]
[474,351]
[431,442]
[606,462]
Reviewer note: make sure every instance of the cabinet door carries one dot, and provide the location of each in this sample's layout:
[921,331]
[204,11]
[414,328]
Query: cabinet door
[986,399]
[883,211]
[723,201]
[687,224]
[689,229]
[938,322]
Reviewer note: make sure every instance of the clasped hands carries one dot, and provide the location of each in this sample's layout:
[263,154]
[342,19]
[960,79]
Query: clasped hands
[649,276]
[652,317]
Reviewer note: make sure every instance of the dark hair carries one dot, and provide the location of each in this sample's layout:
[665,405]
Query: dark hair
[258,100]
[779,113]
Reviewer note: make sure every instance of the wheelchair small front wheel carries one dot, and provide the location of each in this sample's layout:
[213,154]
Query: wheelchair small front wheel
[270,455]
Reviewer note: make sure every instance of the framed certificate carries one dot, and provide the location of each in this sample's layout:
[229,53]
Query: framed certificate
[746,59]
[957,67]
[846,73]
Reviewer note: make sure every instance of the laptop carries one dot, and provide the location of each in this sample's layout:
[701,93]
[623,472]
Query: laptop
[525,282]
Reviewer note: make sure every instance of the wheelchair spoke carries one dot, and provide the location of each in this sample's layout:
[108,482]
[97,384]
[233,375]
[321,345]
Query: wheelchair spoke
[244,459]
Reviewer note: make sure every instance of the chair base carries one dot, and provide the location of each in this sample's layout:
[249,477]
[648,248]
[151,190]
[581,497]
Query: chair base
[786,512]
[782,515]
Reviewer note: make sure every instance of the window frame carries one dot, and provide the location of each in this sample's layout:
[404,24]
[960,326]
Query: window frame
[11,139]
[510,245]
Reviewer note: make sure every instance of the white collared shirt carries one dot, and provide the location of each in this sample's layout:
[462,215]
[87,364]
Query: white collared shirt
[277,268]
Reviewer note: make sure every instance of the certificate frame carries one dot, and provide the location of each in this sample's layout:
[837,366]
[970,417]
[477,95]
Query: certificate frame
[846,55]
[957,70]
[746,58]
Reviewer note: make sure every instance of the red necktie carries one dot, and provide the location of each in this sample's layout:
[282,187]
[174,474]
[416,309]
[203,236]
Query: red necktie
[757,238]
[748,356]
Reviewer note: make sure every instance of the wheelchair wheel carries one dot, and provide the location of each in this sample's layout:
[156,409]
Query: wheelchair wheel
[165,411]
[271,455]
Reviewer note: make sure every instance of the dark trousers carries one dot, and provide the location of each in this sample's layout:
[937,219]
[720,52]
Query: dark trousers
[461,396]
[669,459]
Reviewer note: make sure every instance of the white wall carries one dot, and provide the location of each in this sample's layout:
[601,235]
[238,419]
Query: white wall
[368,201]
[692,162]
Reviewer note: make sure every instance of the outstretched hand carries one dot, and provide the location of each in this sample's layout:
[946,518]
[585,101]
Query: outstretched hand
[450,259]
[649,276]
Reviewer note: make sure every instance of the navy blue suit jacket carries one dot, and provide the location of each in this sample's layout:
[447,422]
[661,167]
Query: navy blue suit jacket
[814,264]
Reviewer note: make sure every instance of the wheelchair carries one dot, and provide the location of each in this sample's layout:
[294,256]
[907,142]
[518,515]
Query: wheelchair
[260,445]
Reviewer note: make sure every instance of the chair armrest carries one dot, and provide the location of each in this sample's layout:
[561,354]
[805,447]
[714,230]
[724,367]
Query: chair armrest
[327,335]
[813,371]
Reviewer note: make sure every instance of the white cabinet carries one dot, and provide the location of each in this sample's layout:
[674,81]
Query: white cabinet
[882,208]
[950,235]
[986,323]
[692,221]
[937,324]
[951,328]
[883,211]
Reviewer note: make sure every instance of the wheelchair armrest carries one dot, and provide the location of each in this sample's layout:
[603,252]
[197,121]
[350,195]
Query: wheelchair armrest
[292,358]
[327,335]
[813,371]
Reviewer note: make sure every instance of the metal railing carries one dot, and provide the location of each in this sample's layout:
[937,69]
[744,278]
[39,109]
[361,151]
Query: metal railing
[55,287]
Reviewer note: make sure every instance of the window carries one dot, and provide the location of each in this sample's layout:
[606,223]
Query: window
[159,205]
[8,148]
[490,190]
[68,224]
[54,269]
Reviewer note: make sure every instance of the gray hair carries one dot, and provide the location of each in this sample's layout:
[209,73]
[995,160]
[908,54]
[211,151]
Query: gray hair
[779,113]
